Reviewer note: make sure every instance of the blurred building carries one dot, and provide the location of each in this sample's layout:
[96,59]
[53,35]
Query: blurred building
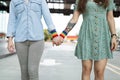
[56,6]
[4,6]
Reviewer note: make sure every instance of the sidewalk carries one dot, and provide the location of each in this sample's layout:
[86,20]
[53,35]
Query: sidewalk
[3,49]
[57,63]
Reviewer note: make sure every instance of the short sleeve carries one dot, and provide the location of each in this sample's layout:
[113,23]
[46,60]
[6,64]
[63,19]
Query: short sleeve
[76,5]
[111,5]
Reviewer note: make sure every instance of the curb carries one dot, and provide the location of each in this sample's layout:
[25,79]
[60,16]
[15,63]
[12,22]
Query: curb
[6,55]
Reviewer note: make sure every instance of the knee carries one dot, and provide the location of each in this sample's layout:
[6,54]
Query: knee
[33,71]
[86,70]
[24,68]
[99,73]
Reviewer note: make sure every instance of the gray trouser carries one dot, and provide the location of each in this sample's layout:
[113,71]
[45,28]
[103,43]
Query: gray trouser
[29,55]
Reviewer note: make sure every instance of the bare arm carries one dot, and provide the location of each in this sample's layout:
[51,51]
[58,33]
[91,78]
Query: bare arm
[75,17]
[71,23]
[111,22]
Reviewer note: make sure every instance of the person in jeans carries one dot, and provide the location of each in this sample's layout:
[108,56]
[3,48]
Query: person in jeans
[97,36]
[25,27]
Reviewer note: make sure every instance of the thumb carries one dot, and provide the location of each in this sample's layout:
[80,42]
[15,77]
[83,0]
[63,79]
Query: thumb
[53,43]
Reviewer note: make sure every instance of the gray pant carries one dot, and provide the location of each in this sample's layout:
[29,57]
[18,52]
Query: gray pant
[29,55]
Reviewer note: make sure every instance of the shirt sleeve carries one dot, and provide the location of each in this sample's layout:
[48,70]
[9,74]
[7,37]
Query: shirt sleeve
[47,16]
[111,5]
[76,5]
[11,21]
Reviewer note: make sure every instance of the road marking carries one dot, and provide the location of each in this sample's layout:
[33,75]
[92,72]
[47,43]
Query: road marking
[49,62]
[113,68]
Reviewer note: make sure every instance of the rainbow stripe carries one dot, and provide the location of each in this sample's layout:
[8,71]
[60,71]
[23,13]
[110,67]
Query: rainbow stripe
[54,33]
[63,34]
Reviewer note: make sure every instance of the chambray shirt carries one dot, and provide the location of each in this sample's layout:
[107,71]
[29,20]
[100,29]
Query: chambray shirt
[25,20]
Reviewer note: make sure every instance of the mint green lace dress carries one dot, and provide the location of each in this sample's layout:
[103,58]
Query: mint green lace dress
[94,36]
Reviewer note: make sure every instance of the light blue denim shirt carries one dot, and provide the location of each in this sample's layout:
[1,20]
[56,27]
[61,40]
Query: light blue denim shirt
[25,20]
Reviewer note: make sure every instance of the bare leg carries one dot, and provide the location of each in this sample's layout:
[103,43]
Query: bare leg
[99,67]
[86,69]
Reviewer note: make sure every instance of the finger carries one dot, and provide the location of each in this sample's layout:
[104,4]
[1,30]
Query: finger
[53,43]
[58,43]
[111,46]
[113,49]
[115,46]
[11,49]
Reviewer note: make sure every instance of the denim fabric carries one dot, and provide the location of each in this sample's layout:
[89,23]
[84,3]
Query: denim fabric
[25,20]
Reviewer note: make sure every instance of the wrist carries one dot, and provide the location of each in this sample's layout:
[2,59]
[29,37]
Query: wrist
[10,38]
[63,34]
[113,36]
[54,33]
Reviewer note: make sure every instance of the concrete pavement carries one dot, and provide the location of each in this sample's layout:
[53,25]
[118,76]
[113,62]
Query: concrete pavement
[3,49]
[57,63]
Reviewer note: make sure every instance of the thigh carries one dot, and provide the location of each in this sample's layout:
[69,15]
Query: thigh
[35,52]
[22,52]
[100,65]
[87,64]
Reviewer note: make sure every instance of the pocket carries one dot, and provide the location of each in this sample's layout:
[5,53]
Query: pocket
[35,5]
[19,7]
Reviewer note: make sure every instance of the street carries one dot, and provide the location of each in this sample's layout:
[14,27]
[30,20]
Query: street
[58,63]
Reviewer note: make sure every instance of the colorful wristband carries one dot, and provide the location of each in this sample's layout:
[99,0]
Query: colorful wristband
[63,34]
[54,33]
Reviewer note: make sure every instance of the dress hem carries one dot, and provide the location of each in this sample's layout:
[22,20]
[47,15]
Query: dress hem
[93,59]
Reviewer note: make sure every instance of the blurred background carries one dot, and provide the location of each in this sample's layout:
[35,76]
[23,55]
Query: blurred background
[64,62]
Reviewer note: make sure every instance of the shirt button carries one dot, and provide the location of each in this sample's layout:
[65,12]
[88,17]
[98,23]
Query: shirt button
[95,29]
[96,35]
[96,41]
[95,54]
[95,47]
[96,17]
[95,10]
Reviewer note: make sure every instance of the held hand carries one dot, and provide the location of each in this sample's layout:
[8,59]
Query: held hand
[61,39]
[57,40]
[113,44]
[11,47]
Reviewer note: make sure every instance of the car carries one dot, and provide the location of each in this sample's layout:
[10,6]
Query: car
[116,12]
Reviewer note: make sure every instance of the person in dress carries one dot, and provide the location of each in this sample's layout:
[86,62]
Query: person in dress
[97,35]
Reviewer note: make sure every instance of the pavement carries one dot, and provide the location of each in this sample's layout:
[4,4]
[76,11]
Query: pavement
[3,49]
[57,63]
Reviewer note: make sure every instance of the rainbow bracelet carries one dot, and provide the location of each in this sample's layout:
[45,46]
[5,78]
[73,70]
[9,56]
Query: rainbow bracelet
[63,34]
[54,33]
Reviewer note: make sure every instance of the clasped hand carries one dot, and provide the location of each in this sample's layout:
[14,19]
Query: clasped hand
[57,40]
